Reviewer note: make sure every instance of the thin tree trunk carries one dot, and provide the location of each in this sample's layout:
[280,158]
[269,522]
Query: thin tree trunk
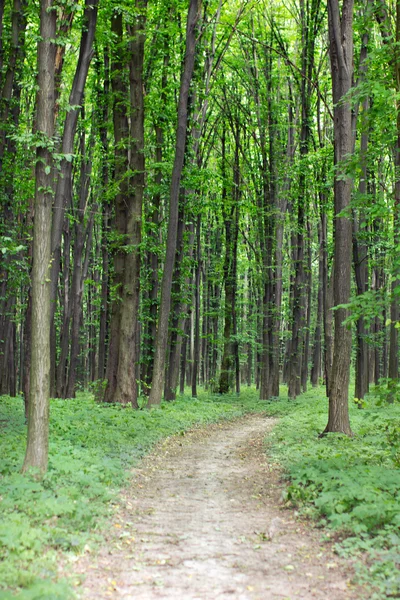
[180,308]
[63,193]
[61,371]
[106,218]
[360,252]
[316,369]
[196,358]
[306,348]
[157,384]
[231,219]
[154,236]
[81,263]
[382,17]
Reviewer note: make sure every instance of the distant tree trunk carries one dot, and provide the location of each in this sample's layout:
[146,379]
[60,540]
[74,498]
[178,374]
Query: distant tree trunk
[341,53]
[214,296]
[316,369]
[63,194]
[196,360]
[230,210]
[183,357]
[157,385]
[92,313]
[310,19]
[394,307]
[106,218]
[204,352]
[81,262]
[325,279]
[153,237]
[360,253]
[38,418]
[181,308]
[383,19]
[328,315]
[295,357]
[61,371]
[308,291]
[10,108]
[177,310]
[26,378]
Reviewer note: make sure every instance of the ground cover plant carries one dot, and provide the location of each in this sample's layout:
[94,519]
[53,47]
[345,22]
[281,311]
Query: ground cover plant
[92,447]
[351,485]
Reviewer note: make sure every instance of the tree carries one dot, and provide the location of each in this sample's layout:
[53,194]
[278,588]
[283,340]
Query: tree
[340,22]
[38,417]
[157,384]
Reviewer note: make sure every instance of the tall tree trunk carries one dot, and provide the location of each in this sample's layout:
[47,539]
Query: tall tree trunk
[81,263]
[38,418]
[10,108]
[310,19]
[154,236]
[360,253]
[121,130]
[127,388]
[394,307]
[230,210]
[157,384]
[63,194]
[341,53]
[106,218]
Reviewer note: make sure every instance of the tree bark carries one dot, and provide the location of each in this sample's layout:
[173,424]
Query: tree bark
[127,386]
[308,291]
[341,54]
[197,279]
[360,252]
[316,369]
[106,218]
[153,236]
[38,418]
[157,384]
[310,19]
[121,134]
[63,194]
[230,210]
[83,235]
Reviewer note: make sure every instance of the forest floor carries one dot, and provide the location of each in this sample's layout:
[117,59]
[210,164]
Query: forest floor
[203,519]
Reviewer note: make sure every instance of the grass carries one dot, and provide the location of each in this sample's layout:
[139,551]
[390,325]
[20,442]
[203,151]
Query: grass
[92,447]
[350,485]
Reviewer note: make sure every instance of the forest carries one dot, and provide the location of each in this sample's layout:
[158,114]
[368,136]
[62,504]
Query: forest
[199,221]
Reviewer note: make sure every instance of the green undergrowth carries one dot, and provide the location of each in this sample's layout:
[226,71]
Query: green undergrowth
[350,485]
[92,447]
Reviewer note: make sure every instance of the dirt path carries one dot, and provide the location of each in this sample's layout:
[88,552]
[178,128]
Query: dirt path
[202,521]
